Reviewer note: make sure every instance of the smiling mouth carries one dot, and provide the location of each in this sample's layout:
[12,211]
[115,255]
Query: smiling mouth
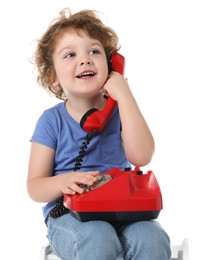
[85,75]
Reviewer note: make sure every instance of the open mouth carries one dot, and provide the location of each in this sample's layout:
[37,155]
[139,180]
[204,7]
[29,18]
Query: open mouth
[86,74]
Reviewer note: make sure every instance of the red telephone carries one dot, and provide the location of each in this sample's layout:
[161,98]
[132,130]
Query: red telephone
[94,119]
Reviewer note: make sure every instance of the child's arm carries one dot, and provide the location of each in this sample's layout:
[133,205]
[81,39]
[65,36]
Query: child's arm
[42,186]
[137,138]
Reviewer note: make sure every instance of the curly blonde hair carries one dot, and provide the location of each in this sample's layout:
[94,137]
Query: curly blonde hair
[85,20]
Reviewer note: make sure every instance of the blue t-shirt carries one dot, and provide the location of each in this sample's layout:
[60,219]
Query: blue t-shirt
[58,130]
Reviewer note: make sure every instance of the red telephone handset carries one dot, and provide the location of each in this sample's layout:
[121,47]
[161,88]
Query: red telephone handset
[94,119]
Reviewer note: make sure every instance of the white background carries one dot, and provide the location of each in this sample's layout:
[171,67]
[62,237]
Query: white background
[168,51]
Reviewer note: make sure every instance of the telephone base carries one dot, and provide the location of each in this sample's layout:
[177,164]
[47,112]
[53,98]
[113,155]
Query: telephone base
[130,195]
[117,216]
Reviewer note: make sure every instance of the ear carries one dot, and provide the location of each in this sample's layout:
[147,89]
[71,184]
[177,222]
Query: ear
[53,78]
[55,83]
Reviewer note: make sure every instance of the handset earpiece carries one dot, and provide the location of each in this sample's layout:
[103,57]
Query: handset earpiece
[117,62]
[94,119]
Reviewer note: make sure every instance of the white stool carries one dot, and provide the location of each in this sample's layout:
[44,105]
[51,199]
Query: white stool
[179,252]
[47,253]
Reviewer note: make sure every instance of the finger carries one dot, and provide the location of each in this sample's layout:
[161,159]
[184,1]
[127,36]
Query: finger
[69,191]
[94,173]
[77,189]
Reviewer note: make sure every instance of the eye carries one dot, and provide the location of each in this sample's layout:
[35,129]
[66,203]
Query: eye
[95,51]
[69,55]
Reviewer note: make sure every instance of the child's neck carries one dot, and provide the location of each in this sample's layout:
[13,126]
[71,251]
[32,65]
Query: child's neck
[77,108]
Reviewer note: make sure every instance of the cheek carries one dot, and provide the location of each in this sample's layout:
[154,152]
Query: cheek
[64,72]
[104,76]
[105,71]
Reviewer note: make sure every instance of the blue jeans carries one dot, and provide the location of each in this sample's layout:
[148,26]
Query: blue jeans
[72,239]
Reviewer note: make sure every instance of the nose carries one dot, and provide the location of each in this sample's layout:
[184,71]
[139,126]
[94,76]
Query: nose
[85,61]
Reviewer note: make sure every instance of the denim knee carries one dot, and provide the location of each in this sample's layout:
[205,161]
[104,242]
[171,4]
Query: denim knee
[145,240]
[102,239]
[72,239]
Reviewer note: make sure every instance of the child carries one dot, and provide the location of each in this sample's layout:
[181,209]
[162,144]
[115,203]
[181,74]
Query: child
[72,59]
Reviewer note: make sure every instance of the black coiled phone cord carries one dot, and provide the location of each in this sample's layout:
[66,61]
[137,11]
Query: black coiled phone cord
[59,209]
[82,151]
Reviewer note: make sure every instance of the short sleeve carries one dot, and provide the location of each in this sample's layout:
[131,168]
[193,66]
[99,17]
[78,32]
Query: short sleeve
[45,130]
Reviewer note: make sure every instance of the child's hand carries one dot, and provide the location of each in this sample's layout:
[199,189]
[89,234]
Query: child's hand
[70,181]
[116,86]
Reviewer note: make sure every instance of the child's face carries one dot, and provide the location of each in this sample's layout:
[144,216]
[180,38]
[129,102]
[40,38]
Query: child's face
[80,64]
